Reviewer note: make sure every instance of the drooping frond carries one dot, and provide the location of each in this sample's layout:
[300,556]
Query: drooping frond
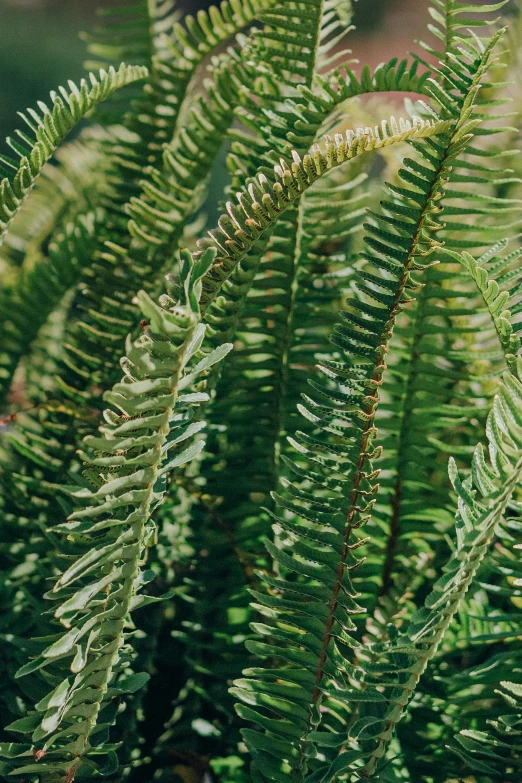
[311,114]
[129,462]
[48,128]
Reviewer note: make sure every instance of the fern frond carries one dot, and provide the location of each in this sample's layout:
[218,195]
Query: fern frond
[497,751]
[483,499]
[260,205]
[435,383]
[131,32]
[130,461]
[496,300]
[339,461]
[305,118]
[38,291]
[200,35]
[335,24]
[451,18]
[68,188]
[48,129]
[425,416]
[289,41]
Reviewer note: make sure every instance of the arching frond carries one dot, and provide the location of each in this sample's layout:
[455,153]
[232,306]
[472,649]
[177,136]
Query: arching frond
[369,345]
[338,460]
[262,203]
[48,128]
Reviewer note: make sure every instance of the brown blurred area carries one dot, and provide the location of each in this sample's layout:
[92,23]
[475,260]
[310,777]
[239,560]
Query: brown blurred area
[398,25]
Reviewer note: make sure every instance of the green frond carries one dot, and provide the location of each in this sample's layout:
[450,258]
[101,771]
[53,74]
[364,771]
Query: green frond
[436,387]
[70,187]
[483,499]
[338,461]
[38,291]
[48,129]
[198,36]
[129,463]
[452,21]
[370,344]
[132,32]
[496,751]
[314,111]
[261,204]
[289,40]
[496,299]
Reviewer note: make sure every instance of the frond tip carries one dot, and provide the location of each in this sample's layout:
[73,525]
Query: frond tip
[49,128]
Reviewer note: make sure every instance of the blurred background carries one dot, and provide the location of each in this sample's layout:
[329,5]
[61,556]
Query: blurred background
[41,47]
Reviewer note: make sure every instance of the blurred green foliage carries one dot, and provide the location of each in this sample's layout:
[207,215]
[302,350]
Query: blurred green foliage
[41,49]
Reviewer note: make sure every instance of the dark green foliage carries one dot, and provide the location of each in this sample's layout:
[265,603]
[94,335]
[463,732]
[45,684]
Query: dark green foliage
[304,589]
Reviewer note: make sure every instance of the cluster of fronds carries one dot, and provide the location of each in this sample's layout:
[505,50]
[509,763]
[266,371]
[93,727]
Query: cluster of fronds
[330,566]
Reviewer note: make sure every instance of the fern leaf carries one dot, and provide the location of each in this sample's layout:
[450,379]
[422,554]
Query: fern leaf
[426,413]
[476,521]
[346,409]
[39,290]
[49,128]
[496,301]
[261,204]
[132,456]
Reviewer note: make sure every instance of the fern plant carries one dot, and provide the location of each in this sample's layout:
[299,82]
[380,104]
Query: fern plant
[261,505]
